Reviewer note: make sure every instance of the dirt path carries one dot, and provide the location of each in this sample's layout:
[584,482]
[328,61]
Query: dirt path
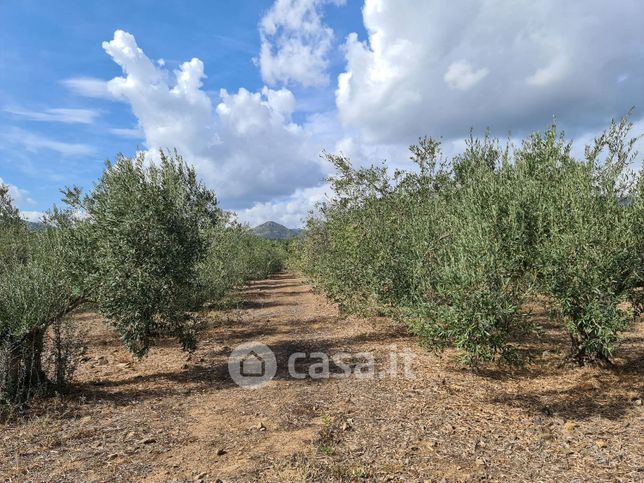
[170,417]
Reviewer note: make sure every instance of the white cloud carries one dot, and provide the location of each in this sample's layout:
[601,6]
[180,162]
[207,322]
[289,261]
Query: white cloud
[36,143]
[426,68]
[290,212]
[462,76]
[33,216]
[525,63]
[246,147]
[295,43]
[19,196]
[88,87]
[131,133]
[69,116]
[549,74]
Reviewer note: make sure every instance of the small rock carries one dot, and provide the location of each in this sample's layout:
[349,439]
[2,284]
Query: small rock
[261,427]
[600,443]
[638,402]
[480,462]
[346,426]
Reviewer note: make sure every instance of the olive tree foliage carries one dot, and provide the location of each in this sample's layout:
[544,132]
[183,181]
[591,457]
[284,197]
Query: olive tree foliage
[34,293]
[12,232]
[235,255]
[130,247]
[456,247]
[146,247]
[591,261]
[145,229]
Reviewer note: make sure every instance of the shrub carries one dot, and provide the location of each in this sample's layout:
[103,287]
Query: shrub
[131,247]
[456,247]
[34,293]
[146,228]
[591,261]
[146,247]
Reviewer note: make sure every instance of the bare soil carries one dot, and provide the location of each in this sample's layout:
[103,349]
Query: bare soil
[174,417]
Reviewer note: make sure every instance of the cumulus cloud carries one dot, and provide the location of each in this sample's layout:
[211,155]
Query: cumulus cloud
[247,147]
[290,211]
[425,68]
[68,116]
[437,68]
[19,196]
[32,216]
[462,76]
[295,43]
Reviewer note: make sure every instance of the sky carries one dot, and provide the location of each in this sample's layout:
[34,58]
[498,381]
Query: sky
[251,93]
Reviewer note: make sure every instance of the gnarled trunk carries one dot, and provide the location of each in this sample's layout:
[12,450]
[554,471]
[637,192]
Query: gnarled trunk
[22,367]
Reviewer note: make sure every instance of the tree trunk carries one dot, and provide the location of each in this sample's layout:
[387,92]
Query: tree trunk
[34,376]
[23,367]
[11,378]
[577,350]
[23,373]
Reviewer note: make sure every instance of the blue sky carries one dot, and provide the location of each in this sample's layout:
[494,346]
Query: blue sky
[299,76]
[44,43]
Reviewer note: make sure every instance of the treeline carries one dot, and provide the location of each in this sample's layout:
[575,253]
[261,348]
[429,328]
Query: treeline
[146,248]
[457,247]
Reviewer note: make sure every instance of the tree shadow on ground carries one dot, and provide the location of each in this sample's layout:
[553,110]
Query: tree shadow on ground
[272,286]
[259,304]
[579,402]
[212,373]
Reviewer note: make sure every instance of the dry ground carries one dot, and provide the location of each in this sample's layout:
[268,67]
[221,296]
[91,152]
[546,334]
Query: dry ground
[171,417]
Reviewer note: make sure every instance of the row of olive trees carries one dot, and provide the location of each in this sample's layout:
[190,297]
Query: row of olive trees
[457,247]
[146,248]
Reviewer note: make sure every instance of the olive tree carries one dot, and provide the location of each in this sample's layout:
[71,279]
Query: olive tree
[131,247]
[34,293]
[456,247]
[590,262]
[145,226]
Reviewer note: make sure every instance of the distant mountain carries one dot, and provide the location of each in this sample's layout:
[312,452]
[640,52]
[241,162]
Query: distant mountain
[275,231]
[35,226]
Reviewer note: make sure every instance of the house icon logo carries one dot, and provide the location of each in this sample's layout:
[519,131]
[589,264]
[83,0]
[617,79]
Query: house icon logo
[252,365]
